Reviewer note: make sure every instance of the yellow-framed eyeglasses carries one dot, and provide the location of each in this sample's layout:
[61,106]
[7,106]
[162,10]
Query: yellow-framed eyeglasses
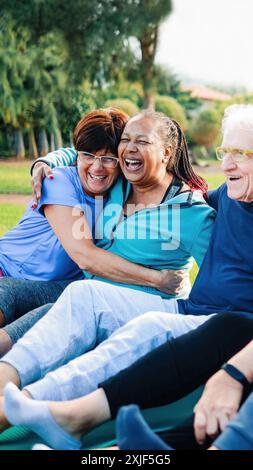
[236,155]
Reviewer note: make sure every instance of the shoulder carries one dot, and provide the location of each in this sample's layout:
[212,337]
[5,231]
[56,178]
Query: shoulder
[65,181]
[65,172]
[63,175]
[188,199]
[193,210]
[215,195]
[199,212]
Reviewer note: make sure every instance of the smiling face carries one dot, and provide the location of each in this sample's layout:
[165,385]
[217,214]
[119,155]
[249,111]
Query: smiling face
[239,175]
[142,156]
[95,178]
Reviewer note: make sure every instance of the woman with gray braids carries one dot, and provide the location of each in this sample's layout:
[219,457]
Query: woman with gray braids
[165,221]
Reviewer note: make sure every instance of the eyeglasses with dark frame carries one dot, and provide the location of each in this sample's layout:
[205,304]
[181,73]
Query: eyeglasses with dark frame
[108,161]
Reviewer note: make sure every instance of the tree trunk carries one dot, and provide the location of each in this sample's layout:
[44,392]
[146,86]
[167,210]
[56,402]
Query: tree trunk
[43,143]
[58,139]
[52,142]
[33,149]
[19,144]
[148,42]
[71,138]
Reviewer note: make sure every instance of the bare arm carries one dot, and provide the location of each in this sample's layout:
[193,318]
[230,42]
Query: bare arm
[40,171]
[75,236]
[222,396]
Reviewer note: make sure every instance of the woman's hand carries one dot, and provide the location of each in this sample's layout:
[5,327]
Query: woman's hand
[172,282]
[40,171]
[217,406]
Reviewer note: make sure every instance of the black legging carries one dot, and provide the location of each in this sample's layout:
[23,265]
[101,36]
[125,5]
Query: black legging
[182,364]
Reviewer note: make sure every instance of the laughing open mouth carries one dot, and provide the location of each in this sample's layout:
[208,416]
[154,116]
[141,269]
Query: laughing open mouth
[133,164]
[96,177]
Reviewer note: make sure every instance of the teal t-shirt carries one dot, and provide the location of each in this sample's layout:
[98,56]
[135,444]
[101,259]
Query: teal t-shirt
[167,236]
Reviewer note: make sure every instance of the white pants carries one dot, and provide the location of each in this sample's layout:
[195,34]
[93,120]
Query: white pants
[51,356]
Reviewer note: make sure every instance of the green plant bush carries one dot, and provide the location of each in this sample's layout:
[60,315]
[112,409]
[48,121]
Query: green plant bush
[205,129]
[126,105]
[171,107]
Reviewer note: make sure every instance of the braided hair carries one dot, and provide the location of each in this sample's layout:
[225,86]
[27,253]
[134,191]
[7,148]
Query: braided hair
[179,163]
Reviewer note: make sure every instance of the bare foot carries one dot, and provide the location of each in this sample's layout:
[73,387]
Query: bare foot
[79,416]
[64,413]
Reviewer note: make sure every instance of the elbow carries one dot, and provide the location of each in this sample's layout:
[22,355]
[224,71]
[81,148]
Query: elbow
[85,262]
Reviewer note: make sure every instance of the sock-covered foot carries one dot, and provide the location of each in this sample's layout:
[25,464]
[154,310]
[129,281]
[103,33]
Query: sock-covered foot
[133,433]
[21,410]
[238,434]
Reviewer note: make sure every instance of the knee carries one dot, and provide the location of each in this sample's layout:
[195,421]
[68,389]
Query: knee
[234,322]
[75,288]
[233,318]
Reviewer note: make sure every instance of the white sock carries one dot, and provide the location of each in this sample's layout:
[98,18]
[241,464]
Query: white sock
[21,410]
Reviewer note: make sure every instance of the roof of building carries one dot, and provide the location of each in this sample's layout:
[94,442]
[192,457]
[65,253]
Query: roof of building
[208,94]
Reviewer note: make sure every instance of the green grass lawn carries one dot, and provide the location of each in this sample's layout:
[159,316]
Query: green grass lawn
[214,179]
[15,178]
[9,216]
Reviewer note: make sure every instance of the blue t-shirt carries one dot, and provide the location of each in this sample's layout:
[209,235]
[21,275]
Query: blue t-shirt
[225,279]
[31,250]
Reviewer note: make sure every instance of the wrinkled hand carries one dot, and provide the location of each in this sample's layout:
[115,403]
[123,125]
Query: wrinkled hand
[217,406]
[172,282]
[40,171]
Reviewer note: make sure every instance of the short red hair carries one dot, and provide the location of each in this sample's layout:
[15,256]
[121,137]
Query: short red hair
[100,129]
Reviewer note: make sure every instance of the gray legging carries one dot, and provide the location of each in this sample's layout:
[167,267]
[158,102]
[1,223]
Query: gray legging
[24,302]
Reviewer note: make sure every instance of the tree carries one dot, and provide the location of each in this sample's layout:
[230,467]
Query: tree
[146,16]
[96,39]
[171,108]
[205,128]
[33,81]
[14,65]
[98,34]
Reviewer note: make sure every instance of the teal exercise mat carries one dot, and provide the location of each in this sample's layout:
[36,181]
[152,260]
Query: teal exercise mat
[18,438]
[16,433]
[161,419]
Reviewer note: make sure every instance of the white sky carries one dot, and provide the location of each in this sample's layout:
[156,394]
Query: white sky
[209,41]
